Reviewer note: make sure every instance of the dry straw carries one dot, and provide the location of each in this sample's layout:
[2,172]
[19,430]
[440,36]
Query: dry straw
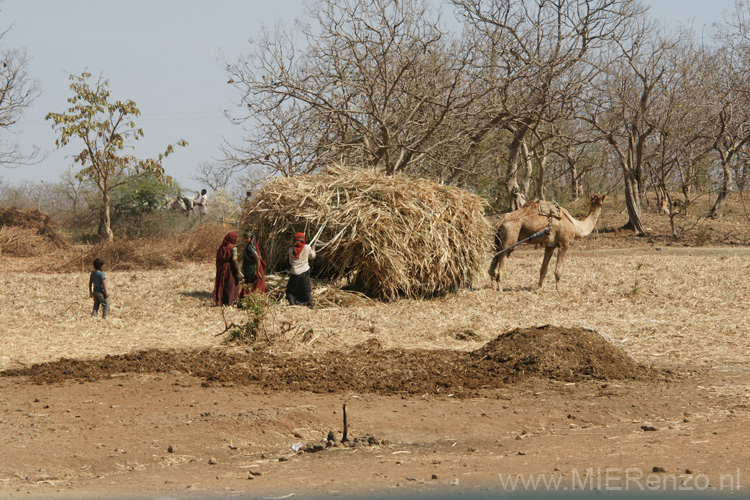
[391,236]
[689,308]
[157,252]
[26,233]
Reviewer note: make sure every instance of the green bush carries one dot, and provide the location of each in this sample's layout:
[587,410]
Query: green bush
[256,306]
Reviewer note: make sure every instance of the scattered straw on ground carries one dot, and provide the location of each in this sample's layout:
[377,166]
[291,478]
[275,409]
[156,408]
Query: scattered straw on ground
[393,236]
[682,306]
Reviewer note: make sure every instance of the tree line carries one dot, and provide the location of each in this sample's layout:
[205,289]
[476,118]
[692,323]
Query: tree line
[512,99]
[516,99]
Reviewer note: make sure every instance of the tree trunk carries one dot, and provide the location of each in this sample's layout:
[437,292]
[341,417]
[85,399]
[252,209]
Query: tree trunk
[717,211]
[633,204]
[541,160]
[528,169]
[575,184]
[105,229]
[516,196]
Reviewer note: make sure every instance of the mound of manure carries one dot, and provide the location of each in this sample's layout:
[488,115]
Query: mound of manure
[563,354]
[567,354]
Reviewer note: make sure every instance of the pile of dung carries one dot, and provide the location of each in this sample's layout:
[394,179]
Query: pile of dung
[551,353]
[388,236]
[568,354]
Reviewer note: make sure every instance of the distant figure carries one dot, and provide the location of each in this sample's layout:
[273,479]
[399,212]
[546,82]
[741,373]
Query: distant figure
[98,289]
[227,280]
[246,202]
[200,202]
[252,267]
[299,288]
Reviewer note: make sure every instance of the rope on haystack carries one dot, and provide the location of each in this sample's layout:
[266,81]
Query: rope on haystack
[394,236]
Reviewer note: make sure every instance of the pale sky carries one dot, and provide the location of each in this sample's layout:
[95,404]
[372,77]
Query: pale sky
[164,55]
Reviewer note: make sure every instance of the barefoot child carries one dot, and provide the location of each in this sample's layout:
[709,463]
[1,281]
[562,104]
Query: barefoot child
[98,289]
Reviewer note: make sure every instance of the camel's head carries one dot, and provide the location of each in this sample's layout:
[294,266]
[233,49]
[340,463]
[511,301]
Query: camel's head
[597,200]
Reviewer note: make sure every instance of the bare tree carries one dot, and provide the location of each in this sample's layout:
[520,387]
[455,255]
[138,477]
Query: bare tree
[575,154]
[622,102]
[213,175]
[378,83]
[18,89]
[74,193]
[24,194]
[682,120]
[281,135]
[730,99]
[533,61]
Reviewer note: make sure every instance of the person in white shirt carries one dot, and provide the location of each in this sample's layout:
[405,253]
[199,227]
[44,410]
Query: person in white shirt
[299,288]
[200,202]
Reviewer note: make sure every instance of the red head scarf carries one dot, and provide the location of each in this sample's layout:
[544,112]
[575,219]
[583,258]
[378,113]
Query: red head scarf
[224,253]
[299,244]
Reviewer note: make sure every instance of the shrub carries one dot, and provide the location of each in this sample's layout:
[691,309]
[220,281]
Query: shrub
[256,306]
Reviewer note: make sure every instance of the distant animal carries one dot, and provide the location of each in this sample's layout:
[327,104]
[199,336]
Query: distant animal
[531,219]
[189,205]
[664,207]
[178,204]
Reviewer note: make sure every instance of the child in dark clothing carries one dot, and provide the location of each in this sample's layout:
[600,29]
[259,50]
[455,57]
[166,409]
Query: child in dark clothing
[98,289]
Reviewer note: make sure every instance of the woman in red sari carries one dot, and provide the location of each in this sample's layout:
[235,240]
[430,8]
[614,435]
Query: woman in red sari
[227,280]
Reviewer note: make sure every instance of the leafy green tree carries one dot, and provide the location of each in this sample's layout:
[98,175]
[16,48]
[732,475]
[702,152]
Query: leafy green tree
[142,196]
[138,209]
[106,129]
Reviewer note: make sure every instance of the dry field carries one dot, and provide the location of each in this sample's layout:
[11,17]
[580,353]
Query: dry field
[156,430]
[685,306]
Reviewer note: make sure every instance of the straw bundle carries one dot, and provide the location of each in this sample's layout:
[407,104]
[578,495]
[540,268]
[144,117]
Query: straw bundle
[390,236]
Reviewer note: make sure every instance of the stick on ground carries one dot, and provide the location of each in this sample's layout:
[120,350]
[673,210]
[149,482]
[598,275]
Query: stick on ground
[345,436]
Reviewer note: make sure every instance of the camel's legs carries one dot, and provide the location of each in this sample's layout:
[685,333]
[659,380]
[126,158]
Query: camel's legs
[496,271]
[545,263]
[499,271]
[561,253]
[494,277]
[505,238]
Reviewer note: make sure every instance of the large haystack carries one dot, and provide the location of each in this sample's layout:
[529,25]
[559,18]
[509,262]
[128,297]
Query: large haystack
[390,236]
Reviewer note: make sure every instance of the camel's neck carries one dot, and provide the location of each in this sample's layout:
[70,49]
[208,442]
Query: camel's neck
[585,226]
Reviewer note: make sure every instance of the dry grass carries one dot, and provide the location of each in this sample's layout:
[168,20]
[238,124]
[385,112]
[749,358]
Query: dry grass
[24,242]
[394,236]
[198,245]
[31,233]
[28,233]
[677,306]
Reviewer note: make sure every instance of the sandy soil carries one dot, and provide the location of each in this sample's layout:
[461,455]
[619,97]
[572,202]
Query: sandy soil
[184,421]
[167,434]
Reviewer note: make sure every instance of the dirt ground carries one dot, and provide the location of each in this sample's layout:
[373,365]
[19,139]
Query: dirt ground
[171,434]
[633,377]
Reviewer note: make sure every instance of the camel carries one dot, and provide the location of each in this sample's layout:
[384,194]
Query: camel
[527,221]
